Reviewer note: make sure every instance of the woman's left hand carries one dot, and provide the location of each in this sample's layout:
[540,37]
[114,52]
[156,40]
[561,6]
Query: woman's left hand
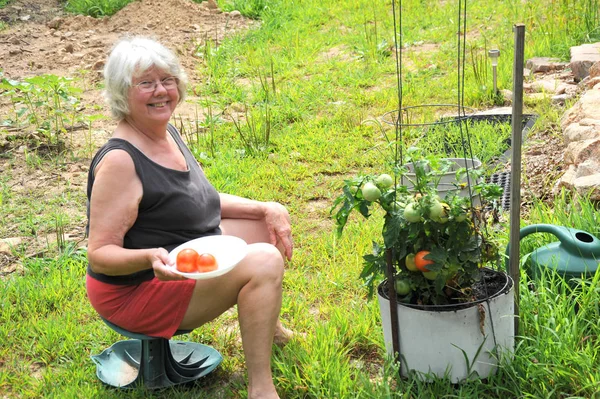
[279,226]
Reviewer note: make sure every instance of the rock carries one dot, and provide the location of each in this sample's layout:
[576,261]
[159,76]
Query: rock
[212,5]
[587,168]
[6,244]
[582,59]
[546,85]
[590,82]
[595,70]
[567,181]
[507,95]
[98,65]
[560,99]
[235,14]
[544,64]
[579,151]
[588,106]
[588,186]
[55,23]
[583,130]
[69,48]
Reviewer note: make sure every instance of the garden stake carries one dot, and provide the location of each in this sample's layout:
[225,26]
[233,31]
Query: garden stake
[515,180]
[393,306]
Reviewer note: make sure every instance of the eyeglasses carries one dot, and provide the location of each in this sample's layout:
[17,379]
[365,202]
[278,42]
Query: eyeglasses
[146,86]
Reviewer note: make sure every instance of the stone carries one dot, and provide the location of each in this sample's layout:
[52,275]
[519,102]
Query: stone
[586,149]
[582,59]
[595,70]
[507,95]
[587,168]
[546,85]
[588,186]
[98,65]
[567,180]
[55,23]
[235,14]
[544,64]
[588,106]
[560,99]
[6,244]
[583,130]
[590,82]
[212,5]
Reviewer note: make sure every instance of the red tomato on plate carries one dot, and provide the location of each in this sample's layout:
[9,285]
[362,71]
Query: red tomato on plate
[206,263]
[186,261]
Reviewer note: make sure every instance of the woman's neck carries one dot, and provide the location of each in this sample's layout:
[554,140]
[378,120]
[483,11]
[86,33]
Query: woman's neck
[156,133]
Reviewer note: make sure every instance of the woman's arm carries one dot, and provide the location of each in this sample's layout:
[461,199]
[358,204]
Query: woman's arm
[275,216]
[116,194]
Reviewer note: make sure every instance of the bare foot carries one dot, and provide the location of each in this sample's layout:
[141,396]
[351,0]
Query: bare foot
[283,335]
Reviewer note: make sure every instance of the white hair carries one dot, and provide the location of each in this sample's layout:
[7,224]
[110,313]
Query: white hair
[132,57]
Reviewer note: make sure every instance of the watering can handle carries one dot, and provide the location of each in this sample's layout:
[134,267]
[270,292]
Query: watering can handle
[561,232]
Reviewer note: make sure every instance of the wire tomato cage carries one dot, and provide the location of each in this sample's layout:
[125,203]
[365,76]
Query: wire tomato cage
[426,116]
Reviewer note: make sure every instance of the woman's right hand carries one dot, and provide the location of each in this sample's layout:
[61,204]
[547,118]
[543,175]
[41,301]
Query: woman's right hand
[162,266]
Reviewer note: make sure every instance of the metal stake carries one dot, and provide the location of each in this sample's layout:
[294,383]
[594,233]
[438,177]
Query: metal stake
[515,180]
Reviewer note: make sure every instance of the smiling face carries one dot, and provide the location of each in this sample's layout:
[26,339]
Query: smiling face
[155,107]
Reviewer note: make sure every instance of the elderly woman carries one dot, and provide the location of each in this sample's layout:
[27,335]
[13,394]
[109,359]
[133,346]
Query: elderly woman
[147,195]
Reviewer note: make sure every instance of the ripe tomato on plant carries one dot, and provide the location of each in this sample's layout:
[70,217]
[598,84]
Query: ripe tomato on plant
[206,263]
[422,263]
[186,261]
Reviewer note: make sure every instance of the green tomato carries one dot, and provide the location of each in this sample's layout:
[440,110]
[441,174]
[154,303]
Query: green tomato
[402,287]
[411,214]
[384,181]
[370,192]
[462,217]
[437,212]
[430,275]
[409,261]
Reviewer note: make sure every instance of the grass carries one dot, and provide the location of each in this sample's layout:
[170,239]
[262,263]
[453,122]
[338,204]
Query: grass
[322,69]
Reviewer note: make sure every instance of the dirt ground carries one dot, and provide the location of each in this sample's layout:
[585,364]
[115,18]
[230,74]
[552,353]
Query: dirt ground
[42,39]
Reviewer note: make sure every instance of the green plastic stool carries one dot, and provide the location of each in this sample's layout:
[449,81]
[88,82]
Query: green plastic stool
[153,362]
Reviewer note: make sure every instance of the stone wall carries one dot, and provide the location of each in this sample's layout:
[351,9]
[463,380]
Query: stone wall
[581,130]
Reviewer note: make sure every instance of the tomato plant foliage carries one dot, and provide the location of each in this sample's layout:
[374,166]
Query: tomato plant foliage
[416,218]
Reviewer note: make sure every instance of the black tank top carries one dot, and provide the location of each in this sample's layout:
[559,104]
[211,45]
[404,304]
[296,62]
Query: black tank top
[176,206]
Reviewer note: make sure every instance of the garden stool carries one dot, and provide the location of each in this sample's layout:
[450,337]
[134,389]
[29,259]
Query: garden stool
[153,362]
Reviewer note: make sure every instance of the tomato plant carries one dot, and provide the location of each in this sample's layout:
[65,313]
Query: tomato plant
[420,261]
[419,214]
[206,263]
[186,260]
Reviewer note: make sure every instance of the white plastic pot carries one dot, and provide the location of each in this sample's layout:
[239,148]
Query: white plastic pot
[435,343]
[447,181]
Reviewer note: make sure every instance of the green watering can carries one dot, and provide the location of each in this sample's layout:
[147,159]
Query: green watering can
[575,255]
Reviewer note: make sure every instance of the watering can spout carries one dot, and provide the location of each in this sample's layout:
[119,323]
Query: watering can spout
[576,254]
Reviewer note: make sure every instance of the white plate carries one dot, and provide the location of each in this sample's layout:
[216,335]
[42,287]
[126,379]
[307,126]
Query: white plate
[228,251]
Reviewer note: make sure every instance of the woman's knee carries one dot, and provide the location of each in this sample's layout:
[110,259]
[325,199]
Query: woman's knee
[266,262]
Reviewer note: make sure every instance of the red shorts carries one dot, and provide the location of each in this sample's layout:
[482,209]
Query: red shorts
[155,308]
